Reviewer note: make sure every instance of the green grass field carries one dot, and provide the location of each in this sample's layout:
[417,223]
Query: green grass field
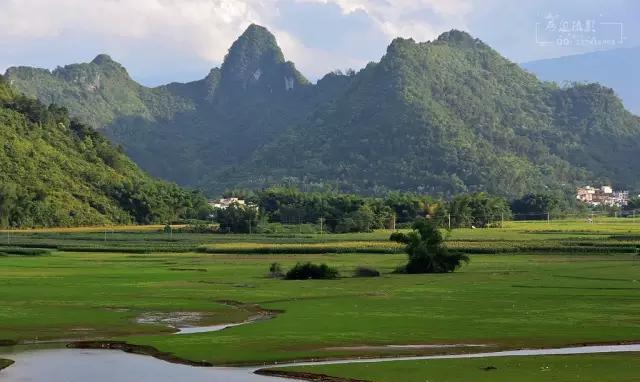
[549,285]
[573,368]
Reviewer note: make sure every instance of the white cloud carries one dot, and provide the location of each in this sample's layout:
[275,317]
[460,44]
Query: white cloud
[420,19]
[205,26]
[314,62]
[166,33]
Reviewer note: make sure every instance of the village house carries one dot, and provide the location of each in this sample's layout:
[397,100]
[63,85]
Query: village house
[225,202]
[605,196]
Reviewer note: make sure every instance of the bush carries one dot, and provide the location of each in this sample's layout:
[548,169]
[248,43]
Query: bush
[198,227]
[366,272]
[24,251]
[426,250]
[275,271]
[308,271]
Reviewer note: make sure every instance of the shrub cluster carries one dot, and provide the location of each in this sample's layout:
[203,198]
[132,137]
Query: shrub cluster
[366,272]
[306,271]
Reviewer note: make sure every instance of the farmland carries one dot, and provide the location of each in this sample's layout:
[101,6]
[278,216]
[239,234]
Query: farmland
[529,284]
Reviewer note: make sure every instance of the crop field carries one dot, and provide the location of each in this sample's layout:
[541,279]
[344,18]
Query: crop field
[529,284]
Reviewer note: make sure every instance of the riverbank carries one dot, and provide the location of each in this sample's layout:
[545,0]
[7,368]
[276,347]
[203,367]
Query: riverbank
[61,365]
[618,367]
[4,363]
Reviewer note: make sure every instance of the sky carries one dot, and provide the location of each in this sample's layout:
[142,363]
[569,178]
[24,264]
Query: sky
[161,41]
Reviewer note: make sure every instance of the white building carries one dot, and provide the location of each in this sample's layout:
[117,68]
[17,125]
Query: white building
[225,202]
[604,195]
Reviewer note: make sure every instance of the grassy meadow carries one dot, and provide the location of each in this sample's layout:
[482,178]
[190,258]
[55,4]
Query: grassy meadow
[622,367]
[529,284]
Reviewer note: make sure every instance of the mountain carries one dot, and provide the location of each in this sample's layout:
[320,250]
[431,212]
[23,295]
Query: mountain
[443,117]
[614,68]
[453,116]
[98,92]
[55,171]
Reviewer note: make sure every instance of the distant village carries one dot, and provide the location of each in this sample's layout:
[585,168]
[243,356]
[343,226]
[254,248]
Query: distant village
[602,196]
[225,203]
[593,196]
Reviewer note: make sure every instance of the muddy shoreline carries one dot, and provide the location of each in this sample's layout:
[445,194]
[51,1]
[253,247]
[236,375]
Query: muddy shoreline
[137,349]
[305,376]
[5,363]
[172,358]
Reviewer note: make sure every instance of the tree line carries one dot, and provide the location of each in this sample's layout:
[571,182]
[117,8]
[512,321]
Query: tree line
[342,213]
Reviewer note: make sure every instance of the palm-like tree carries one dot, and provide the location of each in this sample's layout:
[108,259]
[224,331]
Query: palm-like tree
[426,250]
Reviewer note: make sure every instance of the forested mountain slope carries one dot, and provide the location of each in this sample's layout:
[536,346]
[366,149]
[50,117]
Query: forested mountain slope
[55,171]
[443,117]
[453,116]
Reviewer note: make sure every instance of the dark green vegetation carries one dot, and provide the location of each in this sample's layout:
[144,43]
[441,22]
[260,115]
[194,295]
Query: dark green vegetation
[366,272]
[55,171]
[439,117]
[427,251]
[309,271]
[572,368]
[343,213]
[5,363]
[478,210]
[237,219]
[535,299]
[613,68]
[340,213]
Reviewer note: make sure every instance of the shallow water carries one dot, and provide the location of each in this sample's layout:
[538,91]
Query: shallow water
[206,329]
[77,365]
[596,349]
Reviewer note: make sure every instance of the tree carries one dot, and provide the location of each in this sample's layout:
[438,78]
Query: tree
[237,218]
[426,250]
[535,206]
[474,210]
[8,198]
[634,204]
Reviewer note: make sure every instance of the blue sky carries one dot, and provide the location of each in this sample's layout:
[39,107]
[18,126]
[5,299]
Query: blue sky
[160,41]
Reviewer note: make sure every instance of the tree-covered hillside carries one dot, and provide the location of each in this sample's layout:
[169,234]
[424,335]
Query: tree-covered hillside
[55,171]
[98,92]
[452,116]
[442,117]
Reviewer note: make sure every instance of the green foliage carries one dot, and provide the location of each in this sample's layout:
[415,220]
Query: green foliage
[339,213]
[55,171]
[634,204]
[275,270]
[24,251]
[362,271]
[444,117]
[237,219]
[307,271]
[478,210]
[426,250]
[536,207]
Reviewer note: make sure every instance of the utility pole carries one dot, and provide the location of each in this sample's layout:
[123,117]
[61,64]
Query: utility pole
[502,220]
[105,234]
[393,222]
[321,221]
[250,227]
[548,218]
[449,222]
